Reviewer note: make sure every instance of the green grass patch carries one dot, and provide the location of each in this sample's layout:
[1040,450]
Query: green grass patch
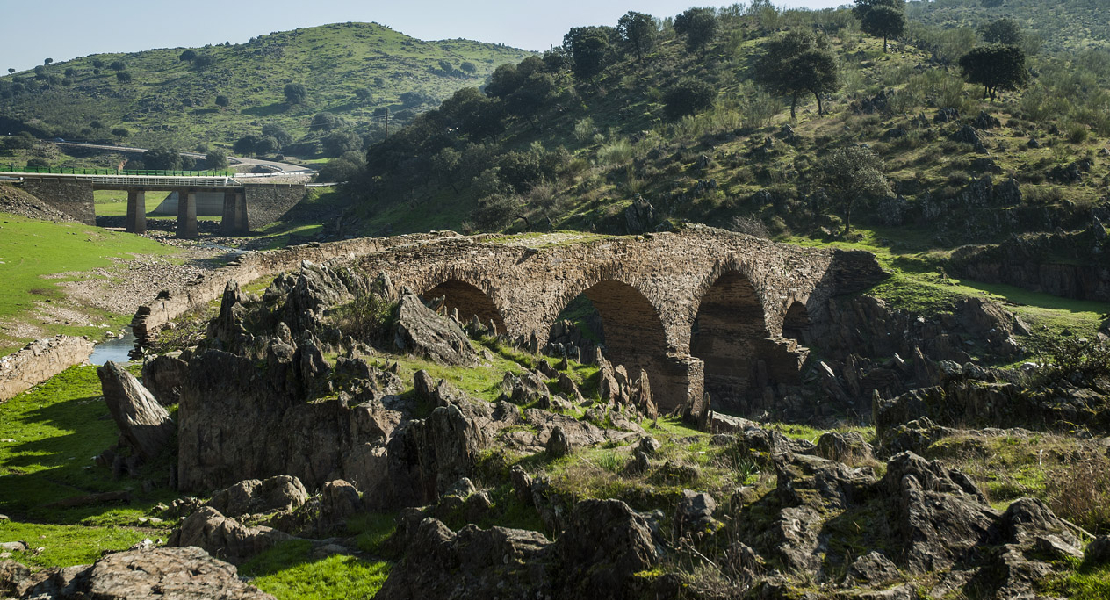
[66,545]
[1087,583]
[289,572]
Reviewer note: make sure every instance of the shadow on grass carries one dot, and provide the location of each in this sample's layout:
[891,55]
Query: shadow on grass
[276,108]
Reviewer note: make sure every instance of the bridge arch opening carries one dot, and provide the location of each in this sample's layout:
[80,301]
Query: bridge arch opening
[795,324]
[729,334]
[469,300]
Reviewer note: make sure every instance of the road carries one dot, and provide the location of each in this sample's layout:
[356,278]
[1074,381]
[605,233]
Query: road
[279,169]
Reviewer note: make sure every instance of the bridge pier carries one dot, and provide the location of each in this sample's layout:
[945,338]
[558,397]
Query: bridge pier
[187,215]
[234,221]
[136,211]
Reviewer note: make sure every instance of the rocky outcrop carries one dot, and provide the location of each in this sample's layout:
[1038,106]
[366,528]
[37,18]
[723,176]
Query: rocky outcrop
[142,421]
[252,496]
[224,537]
[163,377]
[422,332]
[40,360]
[140,574]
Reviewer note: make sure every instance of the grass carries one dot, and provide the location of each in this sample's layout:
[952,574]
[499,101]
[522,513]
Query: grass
[289,572]
[31,249]
[1087,583]
[51,434]
[113,203]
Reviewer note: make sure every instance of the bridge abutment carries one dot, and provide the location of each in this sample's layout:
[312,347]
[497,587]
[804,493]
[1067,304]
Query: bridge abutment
[187,215]
[74,198]
[136,211]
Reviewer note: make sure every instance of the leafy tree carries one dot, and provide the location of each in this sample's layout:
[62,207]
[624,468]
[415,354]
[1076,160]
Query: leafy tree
[849,175]
[336,143]
[995,67]
[245,145]
[204,60]
[123,76]
[1001,31]
[117,66]
[468,67]
[472,113]
[48,61]
[222,101]
[38,162]
[187,56]
[277,132]
[21,141]
[342,168]
[795,63]
[364,95]
[699,25]
[414,99]
[325,121]
[637,32]
[162,159]
[266,145]
[295,93]
[215,159]
[881,18]
[688,97]
[11,70]
[524,88]
[588,49]
[121,132]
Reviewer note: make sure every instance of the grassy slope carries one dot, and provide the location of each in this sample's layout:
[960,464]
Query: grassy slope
[31,249]
[169,102]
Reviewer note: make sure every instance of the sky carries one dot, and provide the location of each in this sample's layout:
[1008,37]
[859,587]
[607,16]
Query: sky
[66,29]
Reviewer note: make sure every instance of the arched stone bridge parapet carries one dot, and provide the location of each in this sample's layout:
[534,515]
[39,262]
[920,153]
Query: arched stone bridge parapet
[650,288]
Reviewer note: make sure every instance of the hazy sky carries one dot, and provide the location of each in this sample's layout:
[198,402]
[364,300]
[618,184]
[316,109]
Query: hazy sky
[65,29]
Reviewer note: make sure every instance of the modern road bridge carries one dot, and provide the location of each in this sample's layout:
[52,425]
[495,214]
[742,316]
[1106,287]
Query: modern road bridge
[246,204]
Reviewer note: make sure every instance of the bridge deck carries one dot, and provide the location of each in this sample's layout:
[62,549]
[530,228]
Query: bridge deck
[138,182]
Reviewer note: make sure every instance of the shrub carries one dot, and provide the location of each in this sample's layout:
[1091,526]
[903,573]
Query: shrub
[687,97]
[1081,493]
[1077,133]
[366,318]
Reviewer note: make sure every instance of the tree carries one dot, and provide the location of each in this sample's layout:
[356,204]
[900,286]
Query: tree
[881,18]
[277,132]
[588,49]
[245,145]
[215,159]
[266,145]
[187,56]
[468,67]
[364,95]
[48,61]
[637,32]
[121,132]
[1001,31]
[162,159]
[325,121]
[295,93]
[687,97]
[995,67]
[343,168]
[117,66]
[795,63]
[11,70]
[699,25]
[123,76]
[336,143]
[222,101]
[850,175]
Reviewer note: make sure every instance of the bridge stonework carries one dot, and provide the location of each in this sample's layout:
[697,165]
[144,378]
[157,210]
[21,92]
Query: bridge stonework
[73,197]
[699,310]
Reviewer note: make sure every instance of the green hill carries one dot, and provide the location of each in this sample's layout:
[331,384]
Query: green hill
[168,98]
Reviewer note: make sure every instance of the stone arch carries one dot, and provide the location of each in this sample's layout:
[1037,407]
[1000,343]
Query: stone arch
[796,322]
[728,335]
[468,299]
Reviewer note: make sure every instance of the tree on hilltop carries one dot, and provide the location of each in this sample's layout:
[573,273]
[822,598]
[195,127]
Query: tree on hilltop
[881,18]
[995,67]
[588,49]
[1001,31]
[699,25]
[794,64]
[637,32]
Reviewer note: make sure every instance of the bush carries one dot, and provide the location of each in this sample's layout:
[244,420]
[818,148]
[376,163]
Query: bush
[1081,493]
[687,97]
[1077,133]
[366,318]
[38,163]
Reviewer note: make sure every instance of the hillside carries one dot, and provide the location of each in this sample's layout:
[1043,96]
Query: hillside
[165,99]
[544,147]
[1070,26]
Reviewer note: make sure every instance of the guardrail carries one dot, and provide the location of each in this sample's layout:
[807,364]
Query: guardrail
[10,168]
[146,180]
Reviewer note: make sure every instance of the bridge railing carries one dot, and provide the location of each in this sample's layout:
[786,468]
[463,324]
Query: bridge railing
[10,168]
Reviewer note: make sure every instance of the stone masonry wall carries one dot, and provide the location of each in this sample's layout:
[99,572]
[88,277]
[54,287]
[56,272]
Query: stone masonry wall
[40,360]
[267,203]
[75,198]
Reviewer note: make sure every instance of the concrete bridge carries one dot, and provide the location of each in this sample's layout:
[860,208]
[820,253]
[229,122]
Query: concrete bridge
[701,310]
[246,205]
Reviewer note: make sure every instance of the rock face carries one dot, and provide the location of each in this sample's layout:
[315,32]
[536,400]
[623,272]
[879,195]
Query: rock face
[422,332]
[281,493]
[223,536]
[163,376]
[40,360]
[144,574]
[142,421]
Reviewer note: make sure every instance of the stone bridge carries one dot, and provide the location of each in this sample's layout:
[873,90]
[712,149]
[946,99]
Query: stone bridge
[246,205]
[701,310]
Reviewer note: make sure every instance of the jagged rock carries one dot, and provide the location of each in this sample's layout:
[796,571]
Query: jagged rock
[1033,143]
[143,422]
[224,537]
[915,436]
[848,447]
[804,480]
[226,331]
[986,121]
[558,445]
[938,512]
[694,513]
[639,216]
[648,445]
[251,496]
[422,332]
[138,574]
[1028,519]
[522,484]
[526,388]
[946,115]
[793,537]
[874,569]
[339,500]
[605,543]
[163,377]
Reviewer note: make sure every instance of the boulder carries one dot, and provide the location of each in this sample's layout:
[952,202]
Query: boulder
[846,447]
[558,445]
[422,332]
[604,545]
[694,514]
[873,569]
[1098,551]
[224,537]
[252,496]
[338,500]
[163,376]
[142,421]
[639,216]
